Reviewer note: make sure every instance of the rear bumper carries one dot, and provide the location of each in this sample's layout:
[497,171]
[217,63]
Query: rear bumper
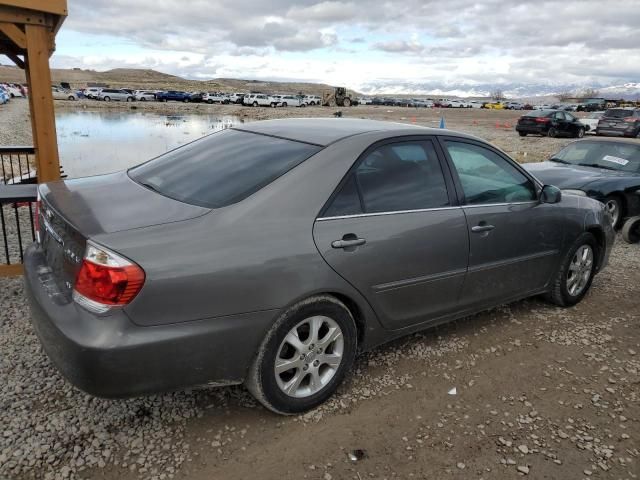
[618,132]
[109,356]
[539,129]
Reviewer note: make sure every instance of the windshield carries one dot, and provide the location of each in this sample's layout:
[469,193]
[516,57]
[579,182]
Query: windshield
[620,156]
[222,168]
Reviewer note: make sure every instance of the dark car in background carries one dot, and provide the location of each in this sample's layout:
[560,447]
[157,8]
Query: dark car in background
[607,170]
[173,95]
[552,123]
[273,252]
[620,122]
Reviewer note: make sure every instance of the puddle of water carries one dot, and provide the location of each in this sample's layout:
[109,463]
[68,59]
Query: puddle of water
[93,143]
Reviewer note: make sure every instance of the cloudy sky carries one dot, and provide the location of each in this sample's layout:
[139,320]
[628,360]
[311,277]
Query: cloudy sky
[361,42]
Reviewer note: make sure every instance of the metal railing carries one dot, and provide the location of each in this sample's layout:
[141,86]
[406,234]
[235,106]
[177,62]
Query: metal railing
[17,197]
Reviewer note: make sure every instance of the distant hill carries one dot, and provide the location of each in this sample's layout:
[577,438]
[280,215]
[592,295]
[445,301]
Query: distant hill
[153,80]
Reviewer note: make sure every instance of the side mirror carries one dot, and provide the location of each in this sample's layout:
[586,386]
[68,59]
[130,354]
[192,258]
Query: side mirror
[550,194]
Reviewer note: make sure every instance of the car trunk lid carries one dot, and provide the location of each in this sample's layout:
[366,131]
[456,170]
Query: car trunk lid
[73,211]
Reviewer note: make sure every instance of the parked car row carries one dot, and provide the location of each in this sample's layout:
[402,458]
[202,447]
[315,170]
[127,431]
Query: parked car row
[619,122]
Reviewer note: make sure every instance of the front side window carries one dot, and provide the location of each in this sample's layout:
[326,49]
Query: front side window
[394,177]
[488,178]
[222,168]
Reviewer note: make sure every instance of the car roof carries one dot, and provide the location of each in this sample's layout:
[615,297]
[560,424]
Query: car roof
[324,131]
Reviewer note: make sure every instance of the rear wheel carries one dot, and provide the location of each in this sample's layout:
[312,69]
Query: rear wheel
[304,356]
[580,132]
[186,100]
[129,99]
[347,102]
[573,279]
[107,99]
[71,97]
[631,230]
[284,104]
[614,207]
[255,104]
[143,99]
[553,133]
[522,134]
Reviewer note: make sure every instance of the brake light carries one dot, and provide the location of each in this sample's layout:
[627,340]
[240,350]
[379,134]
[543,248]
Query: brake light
[631,119]
[106,279]
[542,120]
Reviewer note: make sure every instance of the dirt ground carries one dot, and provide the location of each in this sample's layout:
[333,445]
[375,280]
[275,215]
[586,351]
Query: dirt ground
[526,389]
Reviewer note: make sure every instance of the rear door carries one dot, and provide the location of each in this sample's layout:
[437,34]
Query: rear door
[514,239]
[394,230]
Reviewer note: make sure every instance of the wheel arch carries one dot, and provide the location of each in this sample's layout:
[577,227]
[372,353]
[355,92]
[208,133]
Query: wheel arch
[601,240]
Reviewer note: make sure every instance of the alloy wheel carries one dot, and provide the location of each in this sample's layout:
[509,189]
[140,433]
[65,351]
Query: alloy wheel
[580,270]
[614,210]
[309,356]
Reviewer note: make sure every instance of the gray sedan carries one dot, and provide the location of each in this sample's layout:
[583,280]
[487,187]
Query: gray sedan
[270,254]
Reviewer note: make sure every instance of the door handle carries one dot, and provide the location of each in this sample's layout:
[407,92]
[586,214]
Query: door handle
[482,228]
[348,242]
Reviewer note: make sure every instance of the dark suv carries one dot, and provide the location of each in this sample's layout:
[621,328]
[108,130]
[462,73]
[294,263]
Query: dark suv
[620,122]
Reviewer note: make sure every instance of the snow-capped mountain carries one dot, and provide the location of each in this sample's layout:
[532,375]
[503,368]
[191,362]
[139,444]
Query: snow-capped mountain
[629,91]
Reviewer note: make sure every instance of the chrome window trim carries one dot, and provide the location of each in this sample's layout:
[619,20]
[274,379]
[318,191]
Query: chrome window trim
[420,210]
[397,212]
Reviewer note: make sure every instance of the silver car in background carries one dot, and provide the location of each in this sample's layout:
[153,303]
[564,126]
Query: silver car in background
[115,95]
[272,253]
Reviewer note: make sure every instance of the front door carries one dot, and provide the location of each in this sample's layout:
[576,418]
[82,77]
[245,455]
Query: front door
[514,239]
[393,230]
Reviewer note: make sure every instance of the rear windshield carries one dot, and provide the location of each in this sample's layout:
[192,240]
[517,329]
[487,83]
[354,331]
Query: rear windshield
[539,113]
[618,113]
[222,168]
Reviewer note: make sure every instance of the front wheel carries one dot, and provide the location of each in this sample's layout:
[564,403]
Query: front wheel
[107,99]
[573,279]
[580,132]
[304,356]
[284,104]
[347,102]
[255,104]
[522,134]
[71,97]
[631,230]
[553,133]
[614,207]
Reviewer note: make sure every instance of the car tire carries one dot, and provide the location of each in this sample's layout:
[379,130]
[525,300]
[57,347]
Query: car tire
[580,133]
[186,100]
[614,206]
[71,97]
[129,99]
[284,104]
[335,325]
[255,104]
[552,132]
[347,102]
[107,99]
[631,230]
[142,99]
[573,279]
[522,134]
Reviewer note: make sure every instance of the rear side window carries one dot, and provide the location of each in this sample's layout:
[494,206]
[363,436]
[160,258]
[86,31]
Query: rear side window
[222,168]
[394,177]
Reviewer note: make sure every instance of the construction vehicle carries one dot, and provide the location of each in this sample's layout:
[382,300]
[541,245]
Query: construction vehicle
[337,97]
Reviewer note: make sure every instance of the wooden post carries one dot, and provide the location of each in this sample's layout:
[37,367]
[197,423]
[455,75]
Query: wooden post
[39,46]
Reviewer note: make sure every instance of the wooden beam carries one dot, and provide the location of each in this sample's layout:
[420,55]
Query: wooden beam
[43,120]
[16,35]
[16,59]
[27,17]
[11,270]
[56,7]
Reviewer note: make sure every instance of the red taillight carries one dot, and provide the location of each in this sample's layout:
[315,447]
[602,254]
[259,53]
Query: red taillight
[107,278]
[542,120]
[631,119]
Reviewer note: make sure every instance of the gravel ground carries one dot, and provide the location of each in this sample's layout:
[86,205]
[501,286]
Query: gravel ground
[522,390]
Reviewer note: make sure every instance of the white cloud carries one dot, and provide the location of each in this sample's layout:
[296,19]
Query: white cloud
[508,41]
